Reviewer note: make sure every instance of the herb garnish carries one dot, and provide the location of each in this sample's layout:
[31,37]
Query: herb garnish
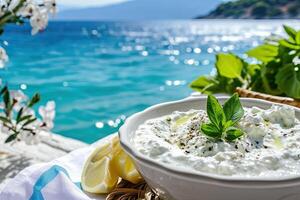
[223,119]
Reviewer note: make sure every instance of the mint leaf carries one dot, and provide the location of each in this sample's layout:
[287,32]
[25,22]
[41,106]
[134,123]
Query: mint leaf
[211,130]
[215,112]
[233,109]
[233,133]
[223,118]
[228,124]
[229,65]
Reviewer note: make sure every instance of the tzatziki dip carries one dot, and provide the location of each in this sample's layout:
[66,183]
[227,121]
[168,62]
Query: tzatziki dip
[270,145]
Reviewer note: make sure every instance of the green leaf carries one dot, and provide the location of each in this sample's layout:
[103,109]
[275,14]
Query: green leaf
[19,115]
[288,44]
[29,121]
[204,84]
[229,65]
[211,130]
[4,119]
[215,112]
[298,38]
[264,53]
[252,69]
[233,133]
[233,109]
[290,31]
[6,99]
[4,89]
[7,102]
[288,80]
[25,118]
[35,99]
[268,73]
[11,138]
[228,124]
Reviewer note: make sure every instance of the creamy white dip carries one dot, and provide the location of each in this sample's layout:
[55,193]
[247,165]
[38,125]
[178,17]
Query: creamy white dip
[269,147]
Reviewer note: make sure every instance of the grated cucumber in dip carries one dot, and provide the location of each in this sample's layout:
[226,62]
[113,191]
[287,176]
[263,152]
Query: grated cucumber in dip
[269,147]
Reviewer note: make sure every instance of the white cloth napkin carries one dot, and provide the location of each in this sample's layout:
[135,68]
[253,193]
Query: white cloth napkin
[56,180]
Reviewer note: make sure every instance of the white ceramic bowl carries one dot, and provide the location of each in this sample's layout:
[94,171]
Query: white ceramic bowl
[177,184]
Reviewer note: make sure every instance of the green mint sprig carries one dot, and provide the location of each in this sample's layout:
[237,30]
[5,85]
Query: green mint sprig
[223,119]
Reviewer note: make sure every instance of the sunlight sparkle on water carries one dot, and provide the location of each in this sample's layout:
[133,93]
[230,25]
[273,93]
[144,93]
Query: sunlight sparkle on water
[205,62]
[197,50]
[99,124]
[23,86]
[210,50]
[144,53]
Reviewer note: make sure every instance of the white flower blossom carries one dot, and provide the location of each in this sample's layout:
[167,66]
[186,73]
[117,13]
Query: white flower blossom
[29,138]
[3,7]
[38,21]
[27,132]
[48,114]
[50,5]
[35,10]
[12,4]
[3,57]
[28,10]
[18,95]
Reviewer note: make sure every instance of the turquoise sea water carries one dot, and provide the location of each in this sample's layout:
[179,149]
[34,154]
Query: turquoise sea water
[101,72]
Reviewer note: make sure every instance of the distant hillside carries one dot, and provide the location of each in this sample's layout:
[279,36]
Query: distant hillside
[256,9]
[142,10]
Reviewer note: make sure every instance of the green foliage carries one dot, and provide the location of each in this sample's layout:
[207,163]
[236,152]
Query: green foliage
[35,99]
[257,9]
[276,73]
[223,119]
[229,65]
[288,80]
[264,53]
[205,84]
[294,10]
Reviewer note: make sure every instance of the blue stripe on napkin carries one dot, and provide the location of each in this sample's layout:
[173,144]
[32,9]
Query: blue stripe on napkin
[46,178]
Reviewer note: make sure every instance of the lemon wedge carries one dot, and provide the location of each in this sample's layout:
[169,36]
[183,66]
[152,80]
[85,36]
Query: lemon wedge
[98,175]
[124,166]
[105,166]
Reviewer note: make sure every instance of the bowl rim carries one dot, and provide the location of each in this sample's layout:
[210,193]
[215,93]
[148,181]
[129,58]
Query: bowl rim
[136,155]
